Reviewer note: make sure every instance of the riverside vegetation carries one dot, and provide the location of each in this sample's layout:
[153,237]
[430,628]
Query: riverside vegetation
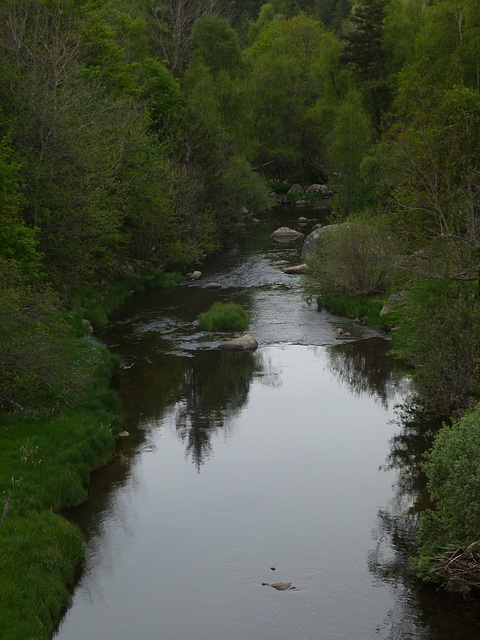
[133,136]
[224,315]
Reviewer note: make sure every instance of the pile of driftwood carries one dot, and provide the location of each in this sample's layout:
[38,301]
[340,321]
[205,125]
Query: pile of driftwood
[460,568]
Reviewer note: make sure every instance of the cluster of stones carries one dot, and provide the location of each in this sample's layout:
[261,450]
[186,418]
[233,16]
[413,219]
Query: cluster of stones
[297,190]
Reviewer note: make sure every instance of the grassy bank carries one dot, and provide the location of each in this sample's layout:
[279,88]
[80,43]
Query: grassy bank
[365,309]
[46,456]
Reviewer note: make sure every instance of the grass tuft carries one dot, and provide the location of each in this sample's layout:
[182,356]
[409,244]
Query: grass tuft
[223,316]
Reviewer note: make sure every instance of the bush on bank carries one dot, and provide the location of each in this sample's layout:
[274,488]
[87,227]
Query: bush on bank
[452,467]
[439,335]
[352,259]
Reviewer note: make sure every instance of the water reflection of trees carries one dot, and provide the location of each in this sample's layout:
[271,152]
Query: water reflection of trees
[215,388]
[417,429]
[148,385]
[363,365]
[421,611]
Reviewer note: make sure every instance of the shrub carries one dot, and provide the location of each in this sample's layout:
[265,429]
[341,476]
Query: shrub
[439,334]
[353,259]
[223,316]
[453,470]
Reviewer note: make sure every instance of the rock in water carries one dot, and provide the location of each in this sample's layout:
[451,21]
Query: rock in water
[279,586]
[245,343]
[295,269]
[285,233]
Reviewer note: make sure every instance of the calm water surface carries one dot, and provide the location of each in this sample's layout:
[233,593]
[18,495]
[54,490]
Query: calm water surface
[289,464]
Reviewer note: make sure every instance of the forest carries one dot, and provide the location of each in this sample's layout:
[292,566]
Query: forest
[134,134]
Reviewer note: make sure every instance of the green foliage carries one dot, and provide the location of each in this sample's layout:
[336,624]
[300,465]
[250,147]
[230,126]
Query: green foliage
[38,557]
[162,94]
[215,43]
[37,351]
[437,168]
[289,126]
[333,12]
[364,52]
[439,334]
[223,316]
[18,242]
[46,460]
[351,259]
[361,307]
[453,470]
[403,19]
[266,15]
[96,303]
[351,138]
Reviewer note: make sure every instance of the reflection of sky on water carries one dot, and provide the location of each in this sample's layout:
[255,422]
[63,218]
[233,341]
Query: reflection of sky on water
[182,550]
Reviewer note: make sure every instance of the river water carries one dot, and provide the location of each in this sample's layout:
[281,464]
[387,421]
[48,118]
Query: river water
[290,464]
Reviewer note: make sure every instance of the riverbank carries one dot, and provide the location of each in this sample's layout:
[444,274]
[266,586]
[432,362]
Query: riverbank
[46,457]
[447,539]
[367,310]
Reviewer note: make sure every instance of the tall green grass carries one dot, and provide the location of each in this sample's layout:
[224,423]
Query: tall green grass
[38,556]
[366,309]
[46,461]
[46,456]
[224,315]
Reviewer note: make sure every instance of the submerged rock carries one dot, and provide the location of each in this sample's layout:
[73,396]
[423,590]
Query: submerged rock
[245,343]
[285,233]
[279,586]
[211,285]
[302,202]
[294,269]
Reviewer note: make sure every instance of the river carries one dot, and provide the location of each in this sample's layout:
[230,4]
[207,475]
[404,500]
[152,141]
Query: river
[290,464]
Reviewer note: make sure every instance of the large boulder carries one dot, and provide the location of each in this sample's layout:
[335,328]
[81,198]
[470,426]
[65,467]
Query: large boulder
[314,240]
[321,189]
[389,304]
[285,233]
[295,269]
[295,189]
[244,343]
